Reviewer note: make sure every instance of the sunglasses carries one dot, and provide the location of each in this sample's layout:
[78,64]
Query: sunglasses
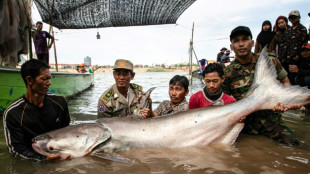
[292,17]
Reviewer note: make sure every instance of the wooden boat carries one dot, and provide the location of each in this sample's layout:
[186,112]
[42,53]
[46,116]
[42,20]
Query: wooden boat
[12,85]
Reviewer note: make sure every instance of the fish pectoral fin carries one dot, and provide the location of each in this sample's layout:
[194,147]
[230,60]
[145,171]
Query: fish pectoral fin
[231,136]
[113,157]
[67,156]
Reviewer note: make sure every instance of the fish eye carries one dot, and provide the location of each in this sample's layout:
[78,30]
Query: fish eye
[51,148]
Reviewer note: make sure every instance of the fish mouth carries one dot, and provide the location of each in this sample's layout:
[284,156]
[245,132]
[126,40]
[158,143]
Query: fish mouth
[43,151]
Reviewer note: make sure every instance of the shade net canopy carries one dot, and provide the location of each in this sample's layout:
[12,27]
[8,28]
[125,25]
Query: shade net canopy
[78,14]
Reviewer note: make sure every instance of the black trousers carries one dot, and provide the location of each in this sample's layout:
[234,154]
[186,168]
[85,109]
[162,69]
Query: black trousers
[43,57]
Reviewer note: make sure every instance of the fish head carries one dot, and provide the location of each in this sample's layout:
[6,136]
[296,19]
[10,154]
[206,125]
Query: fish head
[76,140]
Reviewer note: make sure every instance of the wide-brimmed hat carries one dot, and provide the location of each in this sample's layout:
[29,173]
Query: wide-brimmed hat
[123,64]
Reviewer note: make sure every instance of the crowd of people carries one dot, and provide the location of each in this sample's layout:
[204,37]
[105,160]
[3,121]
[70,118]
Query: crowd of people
[288,42]
[37,111]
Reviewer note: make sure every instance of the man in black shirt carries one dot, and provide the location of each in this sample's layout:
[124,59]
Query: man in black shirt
[34,113]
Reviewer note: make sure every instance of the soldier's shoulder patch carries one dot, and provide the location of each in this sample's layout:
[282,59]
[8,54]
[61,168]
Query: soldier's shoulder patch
[138,87]
[101,108]
[107,96]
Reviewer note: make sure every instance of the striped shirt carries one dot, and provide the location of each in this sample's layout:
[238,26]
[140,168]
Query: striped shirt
[23,121]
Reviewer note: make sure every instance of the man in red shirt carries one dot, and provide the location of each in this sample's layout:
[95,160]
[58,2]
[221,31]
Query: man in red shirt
[212,93]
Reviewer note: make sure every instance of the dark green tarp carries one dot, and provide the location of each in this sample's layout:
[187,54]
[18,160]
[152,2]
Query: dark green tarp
[75,14]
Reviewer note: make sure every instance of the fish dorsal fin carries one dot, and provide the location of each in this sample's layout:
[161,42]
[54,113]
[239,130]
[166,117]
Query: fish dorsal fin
[231,136]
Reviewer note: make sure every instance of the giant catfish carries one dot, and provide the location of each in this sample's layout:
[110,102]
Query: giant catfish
[198,127]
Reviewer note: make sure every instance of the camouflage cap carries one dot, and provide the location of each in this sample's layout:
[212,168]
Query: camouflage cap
[294,13]
[123,64]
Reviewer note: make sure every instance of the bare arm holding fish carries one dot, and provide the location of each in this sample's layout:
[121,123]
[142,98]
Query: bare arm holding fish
[279,107]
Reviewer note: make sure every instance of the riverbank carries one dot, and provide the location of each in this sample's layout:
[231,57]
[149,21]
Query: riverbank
[101,70]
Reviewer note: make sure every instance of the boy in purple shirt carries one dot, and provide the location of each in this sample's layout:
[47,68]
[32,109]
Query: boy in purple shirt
[40,43]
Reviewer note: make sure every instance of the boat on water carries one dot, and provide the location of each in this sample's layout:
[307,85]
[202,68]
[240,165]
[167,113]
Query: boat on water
[16,27]
[12,85]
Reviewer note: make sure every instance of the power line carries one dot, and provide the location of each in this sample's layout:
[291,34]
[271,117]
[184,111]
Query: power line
[225,38]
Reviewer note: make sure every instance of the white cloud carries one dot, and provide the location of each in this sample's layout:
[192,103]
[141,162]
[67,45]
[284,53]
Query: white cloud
[169,43]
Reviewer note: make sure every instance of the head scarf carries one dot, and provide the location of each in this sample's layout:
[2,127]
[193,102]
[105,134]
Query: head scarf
[265,37]
[276,25]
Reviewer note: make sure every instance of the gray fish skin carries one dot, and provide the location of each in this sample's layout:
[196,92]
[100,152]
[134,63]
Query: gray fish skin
[197,127]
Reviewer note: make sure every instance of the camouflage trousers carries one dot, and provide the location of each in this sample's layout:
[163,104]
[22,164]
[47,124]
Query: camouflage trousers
[270,124]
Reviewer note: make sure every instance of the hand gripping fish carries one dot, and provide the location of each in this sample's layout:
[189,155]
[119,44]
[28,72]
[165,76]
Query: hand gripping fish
[143,103]
[198,127]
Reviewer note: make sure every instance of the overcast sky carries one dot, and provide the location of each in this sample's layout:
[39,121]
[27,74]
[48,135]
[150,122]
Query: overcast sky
[169,44]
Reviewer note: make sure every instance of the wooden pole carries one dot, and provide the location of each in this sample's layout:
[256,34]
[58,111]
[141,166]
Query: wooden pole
[28,10]
[190,61]
[198,64]
[30,43]
[56,64]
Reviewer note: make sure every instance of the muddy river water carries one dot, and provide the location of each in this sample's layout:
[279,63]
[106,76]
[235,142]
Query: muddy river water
[250,153]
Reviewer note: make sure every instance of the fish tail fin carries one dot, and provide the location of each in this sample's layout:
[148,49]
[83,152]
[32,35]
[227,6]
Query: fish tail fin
[269,90]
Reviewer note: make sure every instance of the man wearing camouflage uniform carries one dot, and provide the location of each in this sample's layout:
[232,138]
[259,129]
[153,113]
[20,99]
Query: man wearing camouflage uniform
[121,98]
[295,37]
[239,76]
